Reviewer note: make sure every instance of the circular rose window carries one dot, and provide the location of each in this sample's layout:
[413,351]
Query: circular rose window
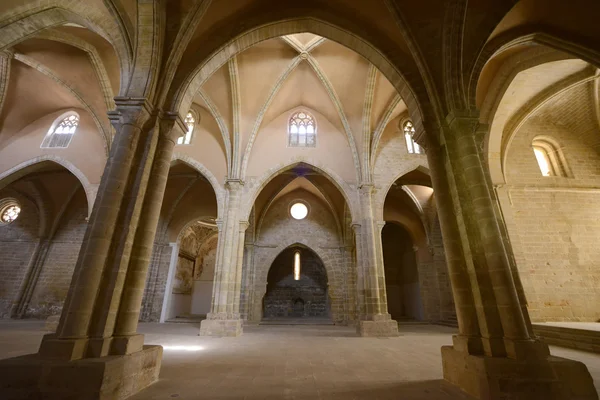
[299,211]
[9,211]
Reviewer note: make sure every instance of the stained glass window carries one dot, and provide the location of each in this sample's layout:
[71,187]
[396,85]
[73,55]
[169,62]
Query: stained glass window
[302,130]
[61,132]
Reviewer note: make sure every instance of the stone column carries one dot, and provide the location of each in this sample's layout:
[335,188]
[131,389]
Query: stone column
[374,319]
[126,340]
[501,317]
[448,209]
[84,337]
[224,318]
[512,363]
[93,299]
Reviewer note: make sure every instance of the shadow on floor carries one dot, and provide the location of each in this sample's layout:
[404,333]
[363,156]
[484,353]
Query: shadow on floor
[421,390]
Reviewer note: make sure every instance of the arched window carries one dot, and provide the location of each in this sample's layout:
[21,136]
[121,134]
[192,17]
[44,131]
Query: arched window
[61,132]
[549,157]
[412,146]
[190,122]
[302,130]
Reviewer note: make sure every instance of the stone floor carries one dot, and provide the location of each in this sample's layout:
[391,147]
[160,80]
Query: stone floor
[290,362]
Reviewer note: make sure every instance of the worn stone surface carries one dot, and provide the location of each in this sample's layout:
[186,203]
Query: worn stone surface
[114,377]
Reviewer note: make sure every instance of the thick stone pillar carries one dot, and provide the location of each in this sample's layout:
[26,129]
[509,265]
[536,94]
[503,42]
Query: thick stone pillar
[374,319]
[224,318]
[90,310]
[79,360]
[454,239]
[509,363]
[126,340]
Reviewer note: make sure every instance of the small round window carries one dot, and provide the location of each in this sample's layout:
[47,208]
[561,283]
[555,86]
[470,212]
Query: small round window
[9,211]
[299,211]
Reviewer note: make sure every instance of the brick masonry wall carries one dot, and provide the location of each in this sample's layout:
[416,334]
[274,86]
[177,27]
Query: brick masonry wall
[17,243]
[57,270]
[287,297]
[553,222]
[319,232]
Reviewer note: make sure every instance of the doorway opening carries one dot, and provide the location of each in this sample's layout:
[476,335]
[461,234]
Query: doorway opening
[401,274]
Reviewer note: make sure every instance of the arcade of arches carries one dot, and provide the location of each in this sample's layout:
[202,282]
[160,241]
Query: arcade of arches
[241,164]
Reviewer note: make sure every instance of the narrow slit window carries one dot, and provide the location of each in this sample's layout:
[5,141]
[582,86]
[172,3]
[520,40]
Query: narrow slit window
[543,161]
[409,132]
[297,266]
[190,122]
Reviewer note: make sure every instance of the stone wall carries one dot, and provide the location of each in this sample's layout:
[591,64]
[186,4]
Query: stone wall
[287,297]
[17,243]
[321,233]
[401,274]
[553,222]
[57,271]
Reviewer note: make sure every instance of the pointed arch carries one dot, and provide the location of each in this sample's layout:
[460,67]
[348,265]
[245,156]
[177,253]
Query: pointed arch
[23,168]
[269,175]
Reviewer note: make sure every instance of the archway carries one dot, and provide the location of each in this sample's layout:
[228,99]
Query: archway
[297,287]
[401,274]
[43,217]
[183,262]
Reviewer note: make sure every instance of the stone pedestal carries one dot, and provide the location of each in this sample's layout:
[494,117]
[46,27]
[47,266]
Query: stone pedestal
[32,377]
[383,326]
[221,327]
[501,378]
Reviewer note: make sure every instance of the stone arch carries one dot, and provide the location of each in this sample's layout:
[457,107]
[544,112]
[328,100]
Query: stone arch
[268,176]
[27,21]
[23,168]
[516,38]
[217,188]
[202,66]
[334,276]
[381,194]
[548,49]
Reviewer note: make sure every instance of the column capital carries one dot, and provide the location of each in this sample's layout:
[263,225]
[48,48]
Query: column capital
[463,120]
[244,225]
[131,111]
[7,53]
[172,126]
[234,184]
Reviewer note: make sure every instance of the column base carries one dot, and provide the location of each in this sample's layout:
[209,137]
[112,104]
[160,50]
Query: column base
[380,326]
[32,377]
[491,378]
[221,327]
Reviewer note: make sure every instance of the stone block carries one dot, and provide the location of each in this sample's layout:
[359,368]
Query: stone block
[52,323]
[221,327]
[32,377]
[384,328]
[501,378]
